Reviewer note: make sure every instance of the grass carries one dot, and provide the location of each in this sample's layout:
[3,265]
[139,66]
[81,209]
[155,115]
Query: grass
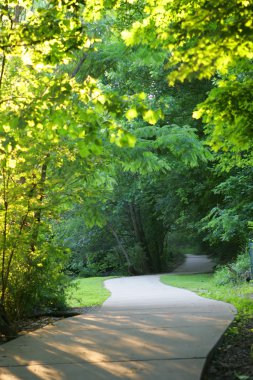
[194,282]
[204,285]
[85,292]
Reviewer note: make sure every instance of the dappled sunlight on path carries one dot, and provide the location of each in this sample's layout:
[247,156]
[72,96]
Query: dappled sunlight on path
[145,330]
[107,346]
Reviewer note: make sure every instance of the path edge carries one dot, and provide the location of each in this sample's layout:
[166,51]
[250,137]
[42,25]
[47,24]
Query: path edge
[214,349]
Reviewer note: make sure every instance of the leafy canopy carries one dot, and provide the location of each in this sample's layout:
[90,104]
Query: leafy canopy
[206,39]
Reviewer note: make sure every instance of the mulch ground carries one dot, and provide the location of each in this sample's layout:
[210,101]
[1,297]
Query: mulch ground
[232,360]
[34,323]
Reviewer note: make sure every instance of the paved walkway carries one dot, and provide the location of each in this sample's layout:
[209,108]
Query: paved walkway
[196,264]
[144,331]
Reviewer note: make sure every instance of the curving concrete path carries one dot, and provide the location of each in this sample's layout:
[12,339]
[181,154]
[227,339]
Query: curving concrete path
[196,264]
[144,331]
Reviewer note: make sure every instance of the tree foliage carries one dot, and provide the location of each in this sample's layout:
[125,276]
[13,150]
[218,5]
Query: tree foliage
[206,39]
[49,122]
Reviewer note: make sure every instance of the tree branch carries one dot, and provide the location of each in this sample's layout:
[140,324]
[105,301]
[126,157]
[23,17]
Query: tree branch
[78,67]
[2,70]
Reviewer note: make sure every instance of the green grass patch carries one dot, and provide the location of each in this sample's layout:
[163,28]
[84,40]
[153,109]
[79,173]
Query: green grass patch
[204,285]
[87,292]
[192,282]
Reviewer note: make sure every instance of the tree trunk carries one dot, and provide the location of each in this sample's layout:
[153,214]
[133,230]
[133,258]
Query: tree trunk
[121,247]
[38,213]
[79,65]
[139,232]
[5,327]
[4,273]
[131,269]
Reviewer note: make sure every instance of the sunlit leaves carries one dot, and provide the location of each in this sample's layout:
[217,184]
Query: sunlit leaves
[122,139]
[228,112]
[51,131]
[131,114]
[203,39]
[152,116]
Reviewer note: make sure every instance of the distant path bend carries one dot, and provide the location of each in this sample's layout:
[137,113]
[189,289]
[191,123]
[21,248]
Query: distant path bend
[145,331]
[196,264]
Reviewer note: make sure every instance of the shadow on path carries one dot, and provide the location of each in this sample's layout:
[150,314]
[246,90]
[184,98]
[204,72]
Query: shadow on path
[145,330]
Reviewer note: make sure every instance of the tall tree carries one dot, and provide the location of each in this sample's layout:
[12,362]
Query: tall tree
[48,122]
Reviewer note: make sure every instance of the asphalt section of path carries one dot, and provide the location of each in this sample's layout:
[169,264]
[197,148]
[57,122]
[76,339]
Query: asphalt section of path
[144,331]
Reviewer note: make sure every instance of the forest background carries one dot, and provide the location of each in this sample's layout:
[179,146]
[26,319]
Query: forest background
[125,140]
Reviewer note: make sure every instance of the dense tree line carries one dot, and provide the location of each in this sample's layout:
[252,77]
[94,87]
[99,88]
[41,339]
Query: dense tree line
[125,140]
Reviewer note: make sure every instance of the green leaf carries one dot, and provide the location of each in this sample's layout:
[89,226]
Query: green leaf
[131,114]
